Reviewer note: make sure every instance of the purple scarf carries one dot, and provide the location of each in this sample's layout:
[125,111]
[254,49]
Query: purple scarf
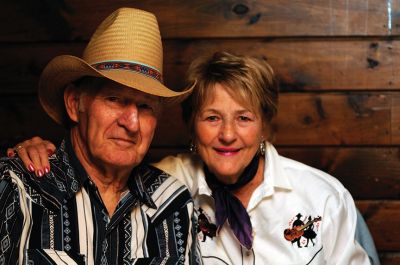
[227,206]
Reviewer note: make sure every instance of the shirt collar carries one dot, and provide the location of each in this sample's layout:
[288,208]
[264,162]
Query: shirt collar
[140,183]
[203,186]
[200,178]
[274,174]
[79,171]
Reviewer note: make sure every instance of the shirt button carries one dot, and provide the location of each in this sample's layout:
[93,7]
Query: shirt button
[248,253]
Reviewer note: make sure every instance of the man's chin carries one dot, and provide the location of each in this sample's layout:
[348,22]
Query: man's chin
[120,157]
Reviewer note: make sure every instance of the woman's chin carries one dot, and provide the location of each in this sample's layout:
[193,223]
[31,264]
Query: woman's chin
[227,177]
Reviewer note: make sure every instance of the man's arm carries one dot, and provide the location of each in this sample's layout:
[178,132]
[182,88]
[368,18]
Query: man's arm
[363,236]
[194,246]
[11,220]
[176,230]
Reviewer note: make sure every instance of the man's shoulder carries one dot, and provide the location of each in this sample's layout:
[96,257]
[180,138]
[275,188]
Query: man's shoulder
[14,165]
[56,182]
[12,179]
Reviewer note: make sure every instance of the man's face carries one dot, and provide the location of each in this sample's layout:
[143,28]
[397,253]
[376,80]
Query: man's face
[115,125]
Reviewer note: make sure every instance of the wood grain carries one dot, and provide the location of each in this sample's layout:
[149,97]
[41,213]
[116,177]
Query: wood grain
[301,65]
[304,64]
[314,119]
[390,258]
[337,62]
[27,21]
[381,217]
[306,119]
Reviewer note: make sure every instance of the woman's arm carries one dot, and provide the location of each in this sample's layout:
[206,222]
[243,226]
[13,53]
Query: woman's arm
[340,245]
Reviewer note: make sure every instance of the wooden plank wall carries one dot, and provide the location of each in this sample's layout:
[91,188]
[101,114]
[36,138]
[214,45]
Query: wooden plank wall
[338,63]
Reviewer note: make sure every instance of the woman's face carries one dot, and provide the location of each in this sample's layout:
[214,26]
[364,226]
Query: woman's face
[227,135]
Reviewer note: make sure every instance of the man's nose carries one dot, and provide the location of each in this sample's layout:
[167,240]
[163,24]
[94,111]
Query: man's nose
[130,118]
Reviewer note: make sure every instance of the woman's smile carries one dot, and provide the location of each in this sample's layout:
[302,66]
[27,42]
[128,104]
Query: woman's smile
[227,151]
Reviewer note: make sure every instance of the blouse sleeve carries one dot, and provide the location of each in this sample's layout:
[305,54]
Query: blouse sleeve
[339,233]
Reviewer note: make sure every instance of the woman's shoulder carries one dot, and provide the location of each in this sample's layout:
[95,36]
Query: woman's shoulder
[185,167]
[173,164]
[305,175]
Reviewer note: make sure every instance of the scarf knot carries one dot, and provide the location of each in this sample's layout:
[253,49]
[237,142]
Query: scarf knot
[228,207]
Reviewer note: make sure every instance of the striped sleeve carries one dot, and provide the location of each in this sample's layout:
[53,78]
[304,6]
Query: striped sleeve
[11,220]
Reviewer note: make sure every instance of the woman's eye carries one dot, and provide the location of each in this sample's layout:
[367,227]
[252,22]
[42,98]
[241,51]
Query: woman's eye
[244,118]
[212,118]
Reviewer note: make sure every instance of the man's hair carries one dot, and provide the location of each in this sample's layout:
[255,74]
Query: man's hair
[87,85]
[249,80]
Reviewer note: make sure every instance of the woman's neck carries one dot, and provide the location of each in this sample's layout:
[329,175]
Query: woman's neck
[244,193]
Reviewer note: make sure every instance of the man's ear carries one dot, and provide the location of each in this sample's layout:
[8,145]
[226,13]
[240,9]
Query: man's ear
[71,101]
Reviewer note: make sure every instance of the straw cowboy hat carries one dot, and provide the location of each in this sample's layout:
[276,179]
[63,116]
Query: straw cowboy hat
[125,48]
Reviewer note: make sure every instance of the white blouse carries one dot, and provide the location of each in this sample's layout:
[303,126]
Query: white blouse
[310,205]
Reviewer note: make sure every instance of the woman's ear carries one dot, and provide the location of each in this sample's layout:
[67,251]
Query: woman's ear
[71,101]
[269,131]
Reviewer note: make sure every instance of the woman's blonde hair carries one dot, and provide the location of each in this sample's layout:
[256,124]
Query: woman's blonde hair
[249,80]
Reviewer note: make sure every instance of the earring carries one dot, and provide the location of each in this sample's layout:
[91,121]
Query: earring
[262,148]
[192,147]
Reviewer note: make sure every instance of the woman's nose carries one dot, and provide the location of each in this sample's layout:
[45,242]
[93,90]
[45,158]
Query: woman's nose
[130,118]
[227,132]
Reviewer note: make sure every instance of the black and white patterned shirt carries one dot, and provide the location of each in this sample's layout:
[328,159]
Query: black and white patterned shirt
[61,219]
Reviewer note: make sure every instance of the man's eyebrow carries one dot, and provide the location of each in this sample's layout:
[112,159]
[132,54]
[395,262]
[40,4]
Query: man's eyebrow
[132,93]
[150,97]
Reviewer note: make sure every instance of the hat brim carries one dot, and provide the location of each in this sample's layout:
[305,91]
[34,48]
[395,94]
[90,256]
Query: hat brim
[65,69]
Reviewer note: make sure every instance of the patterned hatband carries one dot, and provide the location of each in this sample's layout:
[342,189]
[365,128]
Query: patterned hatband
[129,66]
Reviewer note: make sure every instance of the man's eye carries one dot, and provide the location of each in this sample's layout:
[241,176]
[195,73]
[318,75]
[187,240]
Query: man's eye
[113,99]
[145,106]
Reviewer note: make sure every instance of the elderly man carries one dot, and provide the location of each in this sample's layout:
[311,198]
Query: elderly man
[99,204]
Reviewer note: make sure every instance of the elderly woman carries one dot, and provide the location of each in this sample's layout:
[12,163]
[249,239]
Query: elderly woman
[254,206]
